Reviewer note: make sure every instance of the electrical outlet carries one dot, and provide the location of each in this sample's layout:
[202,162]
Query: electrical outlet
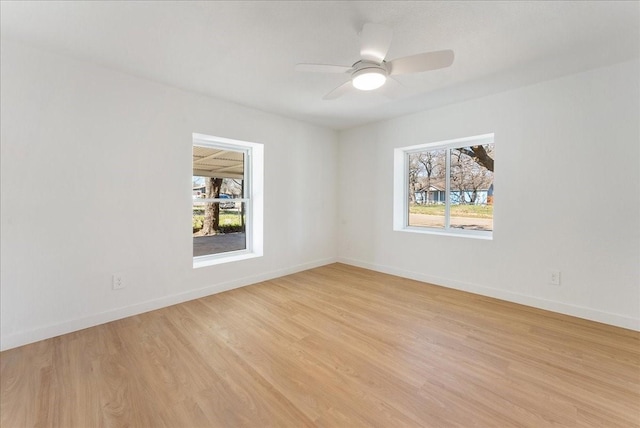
[117,282]
[554,277]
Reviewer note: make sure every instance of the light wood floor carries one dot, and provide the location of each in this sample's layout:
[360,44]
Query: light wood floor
[335,346]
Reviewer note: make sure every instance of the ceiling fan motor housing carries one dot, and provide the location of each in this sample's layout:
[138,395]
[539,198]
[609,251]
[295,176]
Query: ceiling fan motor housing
[368,75]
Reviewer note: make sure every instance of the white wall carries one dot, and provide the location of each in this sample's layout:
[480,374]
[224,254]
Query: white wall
[572,145]
[96,176]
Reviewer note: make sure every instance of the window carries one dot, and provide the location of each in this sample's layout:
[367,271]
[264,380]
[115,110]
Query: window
[445,187]
[226,200]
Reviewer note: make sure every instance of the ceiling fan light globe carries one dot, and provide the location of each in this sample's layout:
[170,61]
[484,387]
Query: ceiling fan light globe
[368,79]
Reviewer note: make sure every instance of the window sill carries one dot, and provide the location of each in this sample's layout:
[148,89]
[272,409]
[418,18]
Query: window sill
[487,236]
[217,259]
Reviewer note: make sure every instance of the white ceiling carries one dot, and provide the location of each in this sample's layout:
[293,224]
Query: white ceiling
[245,52]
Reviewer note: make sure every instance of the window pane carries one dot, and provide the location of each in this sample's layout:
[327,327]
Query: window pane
[218,227]
[471,193]
[427,188]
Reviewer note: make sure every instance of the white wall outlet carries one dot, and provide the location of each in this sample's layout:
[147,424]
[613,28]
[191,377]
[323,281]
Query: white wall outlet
[554,277]
[117,281]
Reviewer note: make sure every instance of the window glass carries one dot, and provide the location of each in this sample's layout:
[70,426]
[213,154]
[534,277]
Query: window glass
[229,234]
[471,182]
[219,207]
[446,187]
[427,188]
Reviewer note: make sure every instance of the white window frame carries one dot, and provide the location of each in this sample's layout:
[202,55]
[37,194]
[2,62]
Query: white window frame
[253,198]
[401,185]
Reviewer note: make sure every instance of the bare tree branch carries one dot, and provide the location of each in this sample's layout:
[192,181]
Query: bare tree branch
[480,155]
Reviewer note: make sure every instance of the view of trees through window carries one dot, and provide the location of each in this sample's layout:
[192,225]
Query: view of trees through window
[219,207]
[452,187]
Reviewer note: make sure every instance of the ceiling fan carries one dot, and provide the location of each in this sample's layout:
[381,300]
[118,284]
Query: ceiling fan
[372,71]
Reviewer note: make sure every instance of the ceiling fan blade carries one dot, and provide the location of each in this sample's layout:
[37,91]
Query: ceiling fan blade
[339,91]
[322,68]
[421,62]
[376,40]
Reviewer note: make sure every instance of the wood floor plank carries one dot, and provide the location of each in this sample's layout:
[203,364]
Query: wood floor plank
[336,346]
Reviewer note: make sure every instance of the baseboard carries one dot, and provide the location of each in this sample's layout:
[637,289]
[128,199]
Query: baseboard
[47,332]
[550,305]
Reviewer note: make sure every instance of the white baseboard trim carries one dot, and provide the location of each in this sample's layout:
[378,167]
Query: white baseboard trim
[47,332]
[550,305]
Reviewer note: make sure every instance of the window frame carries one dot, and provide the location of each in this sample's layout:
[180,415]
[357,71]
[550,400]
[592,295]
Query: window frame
[401,186]
[252,198]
